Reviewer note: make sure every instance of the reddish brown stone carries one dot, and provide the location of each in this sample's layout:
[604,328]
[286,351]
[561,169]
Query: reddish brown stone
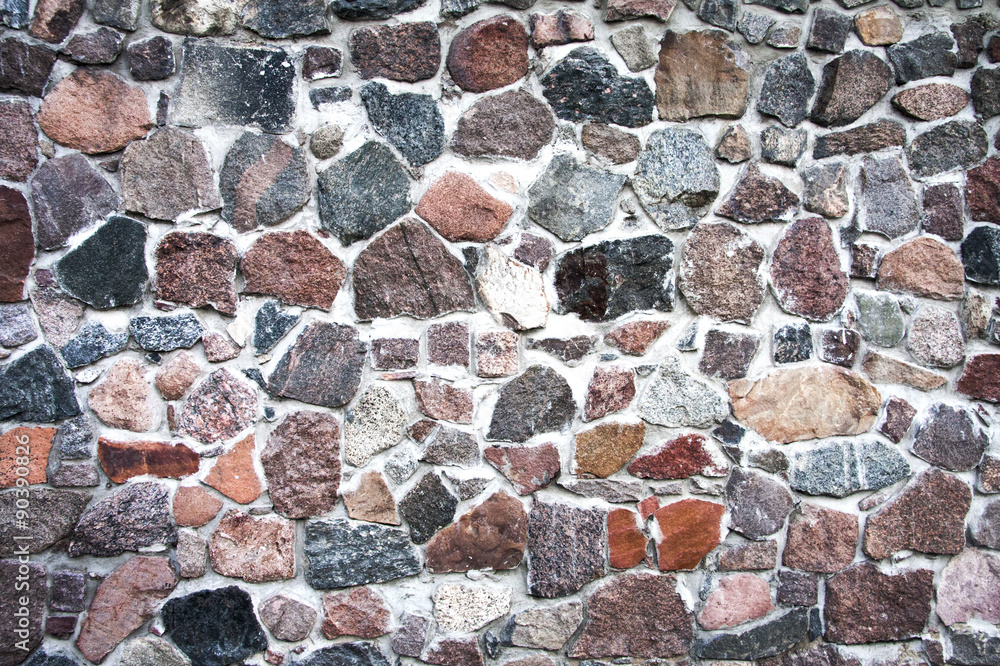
[635,337]
[448,344]
[302,464]
[638,615]
[931,101]
[561,27]
[295,267]
[258,550]
[944,212]
[923,267]
[490,536]
[528,468]
[194,506]
[981,378]
[94,112]
[197,269]
[17,244]
[750,556]
[680,458]
[360,612]
[371,501]
[18,444]
[982,191]
[55,19]
[626,542]
[442,401]
[690,529]
[757,197]
[19,145]
[805,271]
[461,210]
[489,54]
[175,377]
[728,354]
[898,417]
[234,475]
[602,450]
[123,603]
[220,408]
[738,599]
[454,652]
[123,460]
[395,353]
[611,389]
[219,348]
[927,516]
[405,52]
[864,605]
[288,619]
[989,475]
[820,540]
[122,398]
[61,626]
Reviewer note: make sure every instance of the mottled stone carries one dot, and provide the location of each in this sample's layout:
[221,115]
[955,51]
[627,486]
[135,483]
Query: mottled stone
[820,540]
[782,146]
[427,507]
[91,344]
[555,531]
[864,605]
[302,464]
[675,398]
[443,401]
[935,338]
[130,518]
[614,145]
[864,260]
[411,123]
[928,55]
[257,550]
[586,86]
[758,505]
[214,627]
[923,267]
[967,588]
[150,650]
[122,398]
[728,354]
[737,599]
[19,146]
[982,187]
[489,54]
[879,26]
[604,449]
[573,200]
[851,84]
[888,202]
[199,18]
[374,424]
[513,124]
[448,344]
[288,619]
[197,269]
[786,90]
[67,196]
[53,20]
[163,334]
[405,52]
[701,73]
[985,86]
[676,179]
[539,400]
[765,640]
[466,608]
[81,475]
[898,417]
[754,26]
[734,145]
[611,389]
[749,556]
[323,350]
[194,506]
[609,490]
[950,438]
[151,59]
[124,460]
[956,144]
[17,326]
[76,438]
[680,458]
[29,636]
[371,500]
[784,36]
[295,267]
[220,408]
[981,259]
[233,474]
[360,612]
[797,589]
[528,468]
[36,387]
[791,343]
[497,354]
[623,10]
[757,197]
[546,628]
[568,350]
[842,468]
[344,554]
[689,530]
[395,353]
[869,138]
[880,318]
[829,31]
[348,654]
[931,101]
[969,36]
[271,324]
[25,67]
[512,291]
[805,271]
[61,510]
[178,152]
[719,272]
[281,20]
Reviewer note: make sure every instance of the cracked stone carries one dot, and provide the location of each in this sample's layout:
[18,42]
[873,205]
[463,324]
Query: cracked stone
[701,73]
[528,468]
[842,468]
[676,178]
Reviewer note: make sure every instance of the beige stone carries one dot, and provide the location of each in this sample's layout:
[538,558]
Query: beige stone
[878,26]
[122,399]
[884,369]
[372,501]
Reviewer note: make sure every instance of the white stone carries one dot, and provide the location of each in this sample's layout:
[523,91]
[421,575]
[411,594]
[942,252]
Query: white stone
[513,292]
[676,399]
[375,424]
[151,651]
[466,608]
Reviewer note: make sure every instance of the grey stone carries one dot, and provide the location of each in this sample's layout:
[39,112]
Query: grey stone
[986,92]
[342,553]
[573,200]
[758,505]
[108,269]
[329,95]
[100,47]
[829,31]
[91,344]
[36,387]
[634,48]
[824,190]
[676,178]
[121,14]
[200,18]
[14,13]
[609,490]
[538,400]
[754,26]
[16,324]
[363,193]
[133,517]
[402,464]
[925,56]
[981,257]
[411,636]
[270,325]
[842,468]
[957,144]
[985,528]
[973,648]
[674,398]
[281,19]
[565,548]
[150,650]
[787,6]
[454,9]
[935,337]
[365,10]
[950,437]
[787,89]
[545,628]
[411,123]
[784,36]
[888,202]
[214,627]
[151,59]
[427,507]
[347,654]
[720,13]
[375,423]
[53,515]
[263,181]
[766,640]
[880,318]
[782,146]
[513,124]
[326,141]
[451,446]
[75,438]
[80,475]
[167,333]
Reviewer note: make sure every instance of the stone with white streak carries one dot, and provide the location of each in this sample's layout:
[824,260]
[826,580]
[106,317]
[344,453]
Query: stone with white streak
[513,292]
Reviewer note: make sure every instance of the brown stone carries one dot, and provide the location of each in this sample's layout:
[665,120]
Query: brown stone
[757,197]
[635,337]
[719,273]
[395,353]
[371,501]
[931,101]
[219,409]
[405,52]
[898,417]
[689,529]
[94,112]
[123,460]
[734,145]
[322,367]
[611,389]
[176,376]
[461,210]
[302,464]
[18,444]
[53,20]
[613,144]
[493,536]
[197,269]
[234,475]
[360,612]
[496,353]
[194,506]
[680,458]
[981,378]
[513,124]
[454,652]
[258,550]
[923,267]
[851,84]
[624,10]
[288,619]
[701,73]
[982,191]
[738,599]
[639,615]
[123,603]
[989,475]
[443,401]
[19,144]
[728,354]
[884,369]
[927,516]
[820,540]
[878,26]
[795,404]
[528,468]
[869,138]
[295,267]
[602,450]
[448,343]
[122,398]
[749,556]
[806,274]
[219,348]
[626,542]
[489,54]
[864,605]
[322,62]
[561,27]
[17,245]
[944,213]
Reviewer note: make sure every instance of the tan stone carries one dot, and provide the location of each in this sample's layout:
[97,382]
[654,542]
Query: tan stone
[602,450]
[121,400]
[878,26]
[234,475]
[931,101]
[461,210]
[701,74]
[194,506]
[360,612]
[372,501]
[19,444]
[176,376]
[923,267]
[258,550]
[883,369]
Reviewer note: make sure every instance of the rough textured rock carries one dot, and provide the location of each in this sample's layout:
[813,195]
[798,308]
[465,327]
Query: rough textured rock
[197,269]
[880,318]
[689,530]
[352,654]
[151,59]
[700,74]
[675,398]
[123,460]
[489,54]
[374,424]
[427,507]
[262,182]
[842,468]
[604,449]
[191,189]
[19,148]
[610,390]
[820,540]
[133,517]
[539,400]
[586,86]
[163,334]
[727,354]
[950,438]
[884,369]
[150,649]
[220,408]
[302,464]
[122,398]
[92,343]
[935,338]
[405,52]
[931,101]
[344,554]
[61,508]
[749,556]
[956,144]
[626,542]
[765,640]
[734,145]
[805,271]
[982,186]
[194,506]
[36,387]
[676,179]
[67,196]
[573,200]
[25,67]
[738,599]
[528,468]
[967,588]
[757,197]
[30,634]
[851,84]
[864,605]
[758,504]
[612,144]
[411,123]
[108,269]
[176,377]
[888,201]
[53,20]
[214,627]
[360,612]
[554,531]
[787,88]
[928,55]
[869,138]
[461,210]
[547,628]
[680,458]
[465,608]
[512,291]
[288,619]
[258,550]
[623,10]
[371,501]
[295,267]
[923,267]
[321,350]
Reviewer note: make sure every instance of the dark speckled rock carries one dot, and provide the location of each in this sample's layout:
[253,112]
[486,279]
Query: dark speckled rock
[108,269]
[957,144]
[864,605]
[346,654]
[36,387]
[322,367]
[37,590]
[214,627]
[537,401]
[68,195]
[364,10]
[566,547]
[758,504]
[61,509]
[927,55]
[427,507]
[766,640]
[411,123]
[163,334]
[852,84]
[133,517]
[92,343]
[788,86]
[342,553]
[405,52]
[280,19]
[951,438]
[586,86]
[513,124]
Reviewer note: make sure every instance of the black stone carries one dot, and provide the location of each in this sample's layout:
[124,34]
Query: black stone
[986,92]
[25,67]
[108,269]
[567,350]
[257,377]
[329,95]
[151,59]
[14,13]
[788,86]
[792,343]
[92,343]
[829,31]
[365,10]
[607,280]
[766,640]
[412,123]
[36,387]
[321,62]
[249,86]
[286,190]
[951,438]
[363,193]
[42,658]
[427,507]
[537,401]
[270,325]
[133,517]
[720,13]
[214,627]
[346,654]
[281,19]
[343,553]
[121,14]
[927,55]
[969,36]
[729,433]
[163,334]
[981,255]
[101,47]
[840,346]
[586,86]
[75,439]
[787,6]
[958,144]
[973,648]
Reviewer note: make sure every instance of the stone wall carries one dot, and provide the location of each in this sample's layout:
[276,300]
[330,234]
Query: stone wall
[528,334]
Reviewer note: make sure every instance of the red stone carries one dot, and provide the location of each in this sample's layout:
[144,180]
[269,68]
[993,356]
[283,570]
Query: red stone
[17,244]
[295,267]
[195,506]
[493,535]
[689,529]
[489,54]
[648,506]
[635,337]
[820,540]
[981,378]
[454,652]
[805,271]
[302,464]
[680,458]
[461,210]
[611,389]
[443,401]
[360,612]
[197,269]
[234,475]
[25,448]
[626,542]
[528,468]
[982,191]
[864,605]
[123,460]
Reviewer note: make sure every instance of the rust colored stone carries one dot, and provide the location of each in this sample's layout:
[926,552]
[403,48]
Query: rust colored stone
[123,460]
[626,542]
[611,389]
[175,377]
[295,267]
[602,450]
[923,267]
[258,550]
[700,74]
[197,269]
[493,535]
[689,530]
[94,112]
[17,244]
[680,458]
[820,540]
[489,54]
[194,506]
[405,52]
[869,138]
[121,399]
[981,378]
[636,337]
[371,500]
[360,612]
[443,401]
[18,444]
[528,468]
[302,464]
[461,210]
[648,506]
[233,474]
[805,271]
[864,605]
[982,191]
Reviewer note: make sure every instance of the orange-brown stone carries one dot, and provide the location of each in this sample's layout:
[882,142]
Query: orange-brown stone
[923,267]
[234,475]
[461,210]
[25,449]
[372,501]
[295,267]
[194,506]
[360,612]
[123,460]
[635,337]
[489,54]
[689,530]
[626,542]
[491,536]
[602,450]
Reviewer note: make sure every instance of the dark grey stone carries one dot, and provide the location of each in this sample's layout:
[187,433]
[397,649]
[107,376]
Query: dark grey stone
[787,89]
[981,255]
[728,354]
[427,507]
[322,367]
[281,19]
[108,269]
[950,437]
[676,179]
[568,350]
[25,67]
[214,627]
[329,95]
[412,123]
[270,325]
[121,14]
[92,343]
[100,47]
[17,327]
[720,13]
[36,387]
[573,200]
[792,343]
[927,55]
[957,144]
[14,13]
[842,468]
[969,36]
[75,439]
[767,640]
[163,334]
[343,553]
[362,193]
[586,86]
[133,517]
[151,59]
[365,10]
[43,658]
[829,31]
[67,196]
[539,400]
[280,183]
[758,505]
[53,515]
[851,84]
[32,576]
[787,6]
[565,548]
[346,654]
[973,648]
[986,92]
[887,197]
